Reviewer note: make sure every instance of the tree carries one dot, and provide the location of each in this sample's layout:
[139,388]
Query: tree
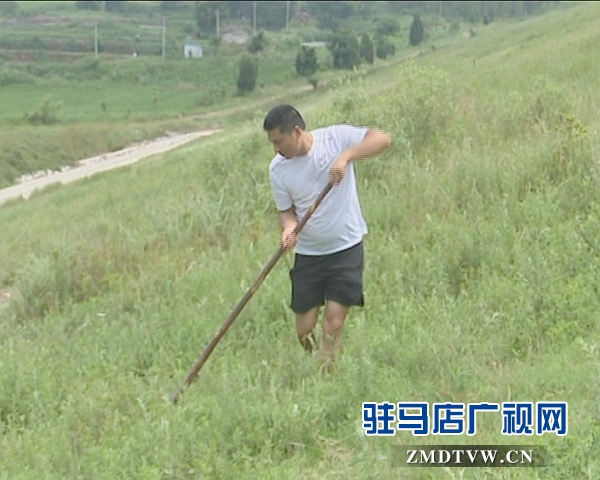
[367,49]
[381,51]
[257,44]
[416,31]
[248,74]
[306,61]
[384,48]
[345,50]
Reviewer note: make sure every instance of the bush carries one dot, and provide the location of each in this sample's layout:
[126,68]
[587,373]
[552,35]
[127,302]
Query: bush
[384,48]
[248,74]
[416,31]
[306,61]
[345,50]
[367,49]
[257,44]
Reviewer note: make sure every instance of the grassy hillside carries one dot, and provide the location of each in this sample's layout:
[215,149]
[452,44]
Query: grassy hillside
[481,283]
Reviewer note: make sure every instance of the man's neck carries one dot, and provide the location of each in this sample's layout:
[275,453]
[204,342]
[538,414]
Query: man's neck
[306,141]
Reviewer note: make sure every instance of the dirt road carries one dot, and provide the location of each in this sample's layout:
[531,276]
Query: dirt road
[100,163]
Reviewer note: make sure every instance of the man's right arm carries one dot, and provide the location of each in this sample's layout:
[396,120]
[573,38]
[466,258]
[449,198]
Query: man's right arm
[288,222]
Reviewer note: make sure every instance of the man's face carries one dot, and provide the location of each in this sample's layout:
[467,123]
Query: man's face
[287,144]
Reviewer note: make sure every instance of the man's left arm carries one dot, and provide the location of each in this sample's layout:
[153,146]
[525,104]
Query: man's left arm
[374,142]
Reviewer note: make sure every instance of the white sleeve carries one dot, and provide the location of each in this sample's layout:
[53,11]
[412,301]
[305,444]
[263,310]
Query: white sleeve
[350,135]
[283,200]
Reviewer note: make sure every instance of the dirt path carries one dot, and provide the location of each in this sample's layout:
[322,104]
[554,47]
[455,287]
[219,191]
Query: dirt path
[100,163]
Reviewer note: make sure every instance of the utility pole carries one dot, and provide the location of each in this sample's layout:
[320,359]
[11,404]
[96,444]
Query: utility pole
[164,37]
[287,15]
[440,9]
[254,16]
[217,14]
[96,41]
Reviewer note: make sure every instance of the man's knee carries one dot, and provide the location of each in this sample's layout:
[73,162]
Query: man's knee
[305,322]
[334,323]
[335,314]
[303,330]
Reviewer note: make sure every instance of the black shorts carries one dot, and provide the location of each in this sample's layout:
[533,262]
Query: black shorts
[337,277]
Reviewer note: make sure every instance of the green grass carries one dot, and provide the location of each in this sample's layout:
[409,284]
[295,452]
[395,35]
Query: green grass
[481,283]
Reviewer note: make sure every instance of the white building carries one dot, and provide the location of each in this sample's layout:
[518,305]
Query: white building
[193,50]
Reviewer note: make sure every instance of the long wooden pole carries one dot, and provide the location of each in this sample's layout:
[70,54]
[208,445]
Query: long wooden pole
[242,303]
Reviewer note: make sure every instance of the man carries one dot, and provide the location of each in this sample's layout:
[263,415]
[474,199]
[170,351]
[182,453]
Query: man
[329,262]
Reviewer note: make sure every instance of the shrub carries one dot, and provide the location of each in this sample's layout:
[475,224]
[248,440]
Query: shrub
[416,31]
[248,74]
[384,48]
[257,44]
[367,49]
[345,50]
[306,62]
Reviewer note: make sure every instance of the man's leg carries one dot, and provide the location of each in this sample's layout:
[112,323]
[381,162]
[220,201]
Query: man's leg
[333,325]
[307,297]
[305,325]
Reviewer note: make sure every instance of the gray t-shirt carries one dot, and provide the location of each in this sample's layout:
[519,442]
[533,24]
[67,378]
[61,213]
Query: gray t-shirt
[338,223]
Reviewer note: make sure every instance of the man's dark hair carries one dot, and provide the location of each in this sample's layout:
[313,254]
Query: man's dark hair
[285,118]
